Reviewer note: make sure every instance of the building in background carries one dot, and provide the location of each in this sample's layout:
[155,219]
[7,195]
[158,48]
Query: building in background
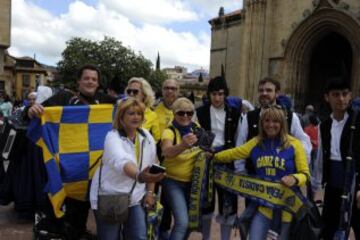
[300,43]
[5,26]
[189,82]
[25,74]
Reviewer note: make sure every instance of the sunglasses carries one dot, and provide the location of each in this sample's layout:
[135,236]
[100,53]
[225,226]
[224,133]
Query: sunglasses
[274,106]
[183,113]
[130,91]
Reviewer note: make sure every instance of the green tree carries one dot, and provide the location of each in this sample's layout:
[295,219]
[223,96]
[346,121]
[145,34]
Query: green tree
[200,79]
[156,80]
[109,55]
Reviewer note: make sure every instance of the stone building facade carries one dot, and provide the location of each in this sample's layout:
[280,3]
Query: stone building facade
[300,43]
[5,25]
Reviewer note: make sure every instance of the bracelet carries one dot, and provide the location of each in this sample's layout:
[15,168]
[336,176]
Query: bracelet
[150,193]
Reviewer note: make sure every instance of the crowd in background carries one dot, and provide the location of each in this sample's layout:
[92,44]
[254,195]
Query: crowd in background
[148,130]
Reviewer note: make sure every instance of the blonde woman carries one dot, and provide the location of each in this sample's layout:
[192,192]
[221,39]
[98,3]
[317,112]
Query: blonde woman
[128,152]
[288,165]
[177,144]
[141,89]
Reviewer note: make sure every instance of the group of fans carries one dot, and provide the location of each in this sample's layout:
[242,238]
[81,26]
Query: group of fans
[267,142]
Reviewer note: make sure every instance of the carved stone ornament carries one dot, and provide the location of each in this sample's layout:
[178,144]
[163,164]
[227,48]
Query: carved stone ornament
[306,13]
[344,6]
[315,2]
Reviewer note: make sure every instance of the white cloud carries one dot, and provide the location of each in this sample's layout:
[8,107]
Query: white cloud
[211,7]
[154,11]
[35,30]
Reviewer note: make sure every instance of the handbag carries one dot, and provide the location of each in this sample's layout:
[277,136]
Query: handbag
[307,224]
[114,207]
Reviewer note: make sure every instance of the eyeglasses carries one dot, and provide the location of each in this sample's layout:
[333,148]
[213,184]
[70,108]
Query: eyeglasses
[130,91]
[170,88]
[183,113]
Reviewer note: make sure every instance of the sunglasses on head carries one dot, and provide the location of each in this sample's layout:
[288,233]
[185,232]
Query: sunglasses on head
[130,91]
[183,113]
[274,106]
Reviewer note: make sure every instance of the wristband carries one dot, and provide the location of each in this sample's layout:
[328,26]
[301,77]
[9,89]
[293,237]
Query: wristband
[151,193]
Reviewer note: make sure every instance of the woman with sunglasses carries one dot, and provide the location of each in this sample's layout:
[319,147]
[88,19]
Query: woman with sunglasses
[276,156]
[141,89]
[177,144]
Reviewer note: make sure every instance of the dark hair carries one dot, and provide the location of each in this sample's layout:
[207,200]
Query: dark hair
[117,85]
[276,83]
[88,67]
[7,98]
[313,119]
[337,83]
[216,84]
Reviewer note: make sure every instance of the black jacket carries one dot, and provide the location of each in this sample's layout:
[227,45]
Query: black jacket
[231,122]
[325,131]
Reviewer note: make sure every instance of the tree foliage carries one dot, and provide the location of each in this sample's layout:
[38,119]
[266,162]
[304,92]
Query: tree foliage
[114,60]
[156,80]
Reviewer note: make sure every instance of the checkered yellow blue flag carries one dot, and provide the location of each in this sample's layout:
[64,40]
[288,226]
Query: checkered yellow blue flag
[72,140]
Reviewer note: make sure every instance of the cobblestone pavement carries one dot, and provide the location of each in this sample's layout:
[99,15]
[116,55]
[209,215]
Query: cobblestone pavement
[11,228]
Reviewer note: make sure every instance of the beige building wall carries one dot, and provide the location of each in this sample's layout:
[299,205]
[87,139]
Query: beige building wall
[5,23]
[5,18]
[275,38]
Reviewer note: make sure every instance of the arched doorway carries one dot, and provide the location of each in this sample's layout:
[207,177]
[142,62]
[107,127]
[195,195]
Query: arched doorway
[331,57]
[324,44]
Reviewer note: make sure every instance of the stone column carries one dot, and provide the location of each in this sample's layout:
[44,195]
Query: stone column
[255,26]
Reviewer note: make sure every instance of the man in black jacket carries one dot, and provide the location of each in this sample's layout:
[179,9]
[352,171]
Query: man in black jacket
[333,151]
[221,119]
[268,90]
[88,79]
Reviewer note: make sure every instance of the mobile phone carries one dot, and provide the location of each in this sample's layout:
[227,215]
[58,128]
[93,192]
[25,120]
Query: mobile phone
[155,169]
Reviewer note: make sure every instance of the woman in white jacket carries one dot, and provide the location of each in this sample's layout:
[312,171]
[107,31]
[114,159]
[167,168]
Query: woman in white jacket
[128,153]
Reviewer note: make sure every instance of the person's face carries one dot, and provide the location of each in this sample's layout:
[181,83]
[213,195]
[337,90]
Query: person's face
[132,118]
[217,98]
[134,90]
[267,94]
[88,82]
[183,116]
[170,91]
[338,99]
[271,127]
[32,100]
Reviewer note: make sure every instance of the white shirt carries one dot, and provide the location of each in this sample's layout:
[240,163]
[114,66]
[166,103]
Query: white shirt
[336,130]
[217,118]
[295,130]
[335,154]
[118,151]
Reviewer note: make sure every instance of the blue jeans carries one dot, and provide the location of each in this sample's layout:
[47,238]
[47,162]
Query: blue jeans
[260,226]
[177,196]
[134,228]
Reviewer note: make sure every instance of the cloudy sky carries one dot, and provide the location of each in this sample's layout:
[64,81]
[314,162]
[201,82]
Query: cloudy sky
[178,29]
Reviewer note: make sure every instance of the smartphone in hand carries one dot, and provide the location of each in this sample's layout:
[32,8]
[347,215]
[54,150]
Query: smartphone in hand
[155,169]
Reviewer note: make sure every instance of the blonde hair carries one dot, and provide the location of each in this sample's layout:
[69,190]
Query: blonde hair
[121,109]
[145,88]
[181,103]
[277,115]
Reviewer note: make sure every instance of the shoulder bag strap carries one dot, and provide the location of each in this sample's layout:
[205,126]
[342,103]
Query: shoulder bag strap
[141,161]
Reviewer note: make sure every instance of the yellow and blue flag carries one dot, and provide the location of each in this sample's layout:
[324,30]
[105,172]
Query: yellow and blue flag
[72,140]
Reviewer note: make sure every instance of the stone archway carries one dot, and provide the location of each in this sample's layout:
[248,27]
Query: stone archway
[331,57]
[304,41]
